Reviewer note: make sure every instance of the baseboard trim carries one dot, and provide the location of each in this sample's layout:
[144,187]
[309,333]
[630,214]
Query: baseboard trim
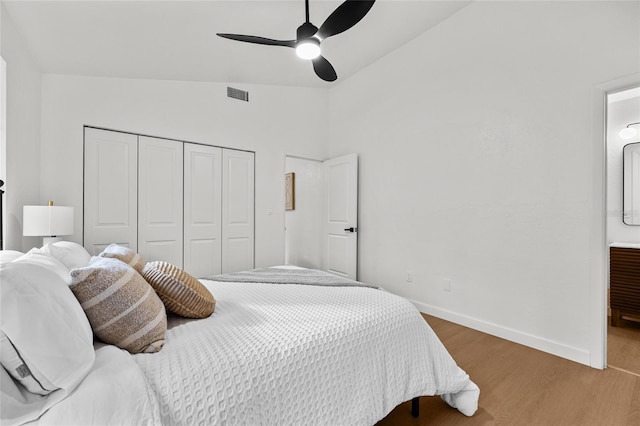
[581,356]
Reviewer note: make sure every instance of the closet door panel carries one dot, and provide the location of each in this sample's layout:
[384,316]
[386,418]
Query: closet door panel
[160,186]
[110,189]
[239,254]
[202,210]
[237,210]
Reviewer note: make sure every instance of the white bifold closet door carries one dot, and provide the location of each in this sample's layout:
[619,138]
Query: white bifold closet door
[202,210]
[187,204]
[237,210]
[160,186]
[110,190]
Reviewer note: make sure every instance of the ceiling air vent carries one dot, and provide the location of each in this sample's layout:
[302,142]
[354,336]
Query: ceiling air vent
[238,94]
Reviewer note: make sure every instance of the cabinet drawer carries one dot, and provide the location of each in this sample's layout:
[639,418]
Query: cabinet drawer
[625,279]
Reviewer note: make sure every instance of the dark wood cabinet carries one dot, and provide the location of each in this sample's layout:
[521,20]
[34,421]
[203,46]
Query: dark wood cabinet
[624,281]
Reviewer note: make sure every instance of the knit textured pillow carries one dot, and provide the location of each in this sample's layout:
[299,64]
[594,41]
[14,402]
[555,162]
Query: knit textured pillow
[121,306]
[124,254]
[181,293]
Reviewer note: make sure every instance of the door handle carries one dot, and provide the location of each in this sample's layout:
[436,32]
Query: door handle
[352,229]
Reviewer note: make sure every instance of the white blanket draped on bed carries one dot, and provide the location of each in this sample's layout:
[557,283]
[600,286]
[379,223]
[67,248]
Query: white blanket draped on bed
[276,354]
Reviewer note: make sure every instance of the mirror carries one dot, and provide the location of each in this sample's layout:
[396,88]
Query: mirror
[631,184]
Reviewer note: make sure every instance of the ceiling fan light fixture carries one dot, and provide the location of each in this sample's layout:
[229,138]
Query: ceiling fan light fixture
[308,48]
[629,132]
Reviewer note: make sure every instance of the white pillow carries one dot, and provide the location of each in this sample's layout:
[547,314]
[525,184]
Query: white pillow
[124,254]
[19,405]
[34,381]
[34,257]
[9,255]
[47,327]
[71,254]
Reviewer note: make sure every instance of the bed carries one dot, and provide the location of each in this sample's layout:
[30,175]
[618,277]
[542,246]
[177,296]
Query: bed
[272,353]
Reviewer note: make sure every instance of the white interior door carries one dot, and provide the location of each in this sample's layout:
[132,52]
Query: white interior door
[160,200]
[341,228]
[202,210]
[237,210]
[110,189]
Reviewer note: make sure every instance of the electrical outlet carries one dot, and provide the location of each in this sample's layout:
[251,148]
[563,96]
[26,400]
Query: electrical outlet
[446,285]
[409,276]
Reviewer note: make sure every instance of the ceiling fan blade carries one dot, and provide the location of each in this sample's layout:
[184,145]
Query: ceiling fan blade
[258,40]
[344,17]
[324,69]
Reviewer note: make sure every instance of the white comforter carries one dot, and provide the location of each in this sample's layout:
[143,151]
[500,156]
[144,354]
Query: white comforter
[275,354]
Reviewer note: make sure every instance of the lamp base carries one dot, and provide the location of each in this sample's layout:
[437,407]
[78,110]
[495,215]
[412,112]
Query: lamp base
[50,240]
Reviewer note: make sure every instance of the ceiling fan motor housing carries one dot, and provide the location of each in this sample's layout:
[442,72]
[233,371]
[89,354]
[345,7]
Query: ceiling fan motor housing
[305,31]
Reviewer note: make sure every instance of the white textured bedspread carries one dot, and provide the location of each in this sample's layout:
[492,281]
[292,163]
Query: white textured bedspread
[300,355]
[274,354]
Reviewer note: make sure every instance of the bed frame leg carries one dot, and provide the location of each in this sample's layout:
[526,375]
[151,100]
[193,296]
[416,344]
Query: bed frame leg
[415,407]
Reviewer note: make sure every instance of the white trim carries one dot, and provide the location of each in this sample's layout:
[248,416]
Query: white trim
[540,343]
[597,238]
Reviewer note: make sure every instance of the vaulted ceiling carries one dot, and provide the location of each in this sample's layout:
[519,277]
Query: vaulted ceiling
[176,40]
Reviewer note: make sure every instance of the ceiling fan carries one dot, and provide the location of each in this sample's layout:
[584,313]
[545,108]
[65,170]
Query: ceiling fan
[309,37]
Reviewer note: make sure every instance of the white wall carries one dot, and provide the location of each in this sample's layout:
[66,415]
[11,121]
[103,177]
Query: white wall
[3,142]
[3,131]
[476,158]
[619,114]
[275,121]
[304,225]
[22,133]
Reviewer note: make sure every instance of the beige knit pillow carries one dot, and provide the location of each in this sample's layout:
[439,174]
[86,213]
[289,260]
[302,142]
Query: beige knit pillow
[181,293]
[124,254]
[121,306]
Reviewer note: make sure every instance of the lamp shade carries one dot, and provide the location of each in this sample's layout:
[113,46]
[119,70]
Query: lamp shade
[47,221]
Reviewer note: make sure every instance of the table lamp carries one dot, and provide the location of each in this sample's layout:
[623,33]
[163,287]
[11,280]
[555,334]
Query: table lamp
[48,222]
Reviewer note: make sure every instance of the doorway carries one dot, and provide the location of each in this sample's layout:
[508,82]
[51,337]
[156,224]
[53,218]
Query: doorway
[304,217]
[623,109]
[321,214]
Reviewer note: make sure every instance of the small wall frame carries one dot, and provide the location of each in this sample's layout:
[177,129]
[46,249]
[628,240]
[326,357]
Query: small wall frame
[290,191]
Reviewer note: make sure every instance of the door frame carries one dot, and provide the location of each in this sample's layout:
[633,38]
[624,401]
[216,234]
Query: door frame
[598,218]
[284,220]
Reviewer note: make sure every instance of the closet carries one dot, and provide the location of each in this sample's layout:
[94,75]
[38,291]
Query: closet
[189,204]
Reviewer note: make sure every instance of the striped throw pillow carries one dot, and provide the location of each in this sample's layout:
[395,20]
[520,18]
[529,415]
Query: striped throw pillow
[121,306]
[124,254]
[181,293]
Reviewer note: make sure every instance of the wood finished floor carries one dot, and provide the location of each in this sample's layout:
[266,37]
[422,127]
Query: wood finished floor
[523,386]
[623,346]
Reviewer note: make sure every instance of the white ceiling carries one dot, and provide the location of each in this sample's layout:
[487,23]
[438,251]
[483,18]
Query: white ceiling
[176,40]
